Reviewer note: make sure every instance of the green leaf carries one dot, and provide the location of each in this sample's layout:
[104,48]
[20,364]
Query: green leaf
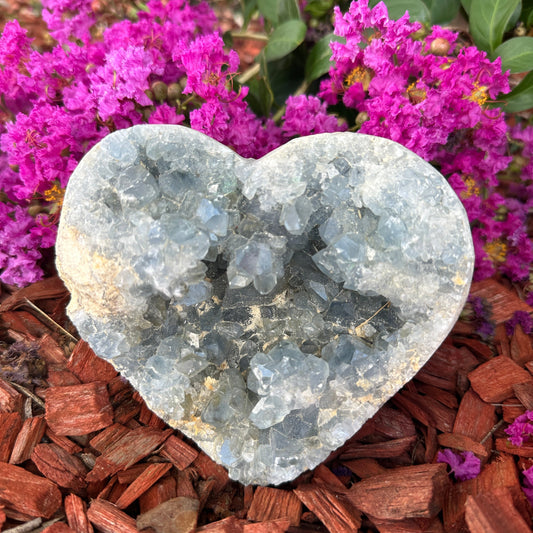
[260,97]
[269,9]
[526,15]
[488,20]
[249,8]
[228,39]
[279,11]
[442,11]
[318,8]
[516,54]
[318,61]
[289,10]
[466,5]
[514,18]
[397,8]
[285,76]
[284,39]
[521,97]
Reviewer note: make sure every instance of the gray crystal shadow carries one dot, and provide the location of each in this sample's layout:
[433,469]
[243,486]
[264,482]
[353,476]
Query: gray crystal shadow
[348,259]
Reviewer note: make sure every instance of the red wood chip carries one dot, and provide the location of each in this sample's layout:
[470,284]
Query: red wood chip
[76,512]
[503,301]
[78,409]
[269,504]
[10,399]
[26,493]
[31,433]
[128,450]
[10,424]
[331,507]
[108,518]
[56,464]
[494,380]
[84,364]
[179,452]
[406,492]
[143,482]
[494,513]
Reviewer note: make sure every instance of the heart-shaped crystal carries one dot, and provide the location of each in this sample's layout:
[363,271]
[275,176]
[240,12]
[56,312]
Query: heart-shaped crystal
[265,308]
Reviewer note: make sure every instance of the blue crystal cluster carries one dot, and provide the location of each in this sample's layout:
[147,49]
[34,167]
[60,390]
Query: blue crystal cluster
[265,308]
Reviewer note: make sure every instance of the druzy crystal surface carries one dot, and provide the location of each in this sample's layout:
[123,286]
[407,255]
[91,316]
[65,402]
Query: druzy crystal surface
[265,308]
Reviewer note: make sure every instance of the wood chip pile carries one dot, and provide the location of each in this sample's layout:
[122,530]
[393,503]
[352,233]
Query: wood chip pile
[80,452]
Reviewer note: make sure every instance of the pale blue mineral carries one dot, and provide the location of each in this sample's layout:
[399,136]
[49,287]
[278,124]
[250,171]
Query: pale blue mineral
[265,308]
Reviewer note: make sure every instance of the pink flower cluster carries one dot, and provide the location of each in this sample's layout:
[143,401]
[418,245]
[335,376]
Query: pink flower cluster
[168,65]
[463,466]
[521,429]
[58,104]
[224,115]
[519,432]
[527,487]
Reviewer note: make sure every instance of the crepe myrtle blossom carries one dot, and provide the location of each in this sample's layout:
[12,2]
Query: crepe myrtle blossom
[520,429]
[464,465]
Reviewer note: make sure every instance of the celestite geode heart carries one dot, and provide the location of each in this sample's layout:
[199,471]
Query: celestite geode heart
[265,308]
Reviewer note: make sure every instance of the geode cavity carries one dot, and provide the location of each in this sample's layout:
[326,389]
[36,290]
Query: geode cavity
[265,308]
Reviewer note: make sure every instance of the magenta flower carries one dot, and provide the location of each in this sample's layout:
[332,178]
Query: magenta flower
[124,76]
[463,466]
[223,114]
[207,66]
[520,318]
[307,115]
[68,19]
[527,486]
[43,148]
[165,114]
[520,430]
[14,53]
[21,236]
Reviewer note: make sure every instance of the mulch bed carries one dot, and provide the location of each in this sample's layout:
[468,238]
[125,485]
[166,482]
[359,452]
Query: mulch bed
[81,452]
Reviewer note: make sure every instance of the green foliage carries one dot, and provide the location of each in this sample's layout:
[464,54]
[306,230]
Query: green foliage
[442,11]
[516,54]
[527,13]
[318,61]
[319,8]
[521,97]
[489,20]
[278,11]
[418,10]
[429,12]
[284,39]
[285,77]
[466,5]
[260,97]
[249,7]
